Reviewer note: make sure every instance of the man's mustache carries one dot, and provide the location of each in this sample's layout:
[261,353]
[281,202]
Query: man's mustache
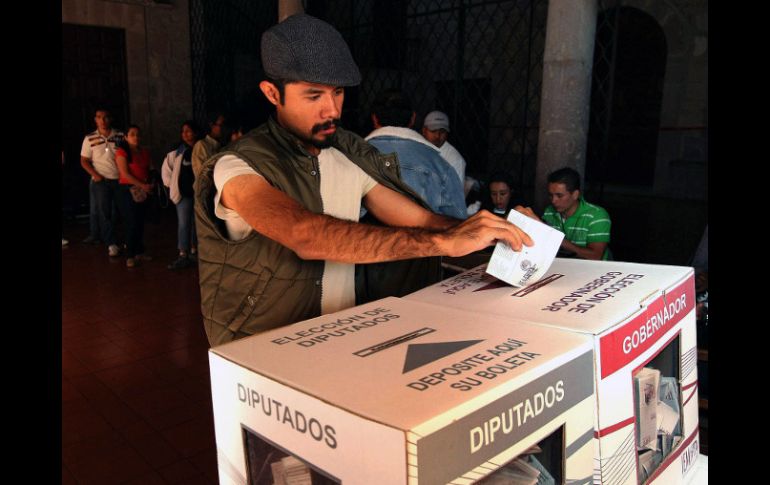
[325,126]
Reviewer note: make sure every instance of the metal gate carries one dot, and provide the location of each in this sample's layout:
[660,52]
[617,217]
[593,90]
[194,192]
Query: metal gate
[626,97]
[480,61]
[602,88]
[226,68]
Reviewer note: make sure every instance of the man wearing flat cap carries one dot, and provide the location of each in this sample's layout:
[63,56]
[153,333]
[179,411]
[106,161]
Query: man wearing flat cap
[277,211]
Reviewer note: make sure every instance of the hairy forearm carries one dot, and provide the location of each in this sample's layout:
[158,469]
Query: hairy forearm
[316,236]
[328,238]
[322,237]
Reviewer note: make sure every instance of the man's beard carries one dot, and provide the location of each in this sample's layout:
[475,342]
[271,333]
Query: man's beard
[327,142]
[309,140]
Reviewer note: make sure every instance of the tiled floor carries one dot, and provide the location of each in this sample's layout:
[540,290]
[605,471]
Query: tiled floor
[136,399]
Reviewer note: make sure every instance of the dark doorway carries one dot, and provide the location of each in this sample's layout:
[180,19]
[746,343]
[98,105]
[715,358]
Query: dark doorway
[468,112]
[626,96]
[93,75]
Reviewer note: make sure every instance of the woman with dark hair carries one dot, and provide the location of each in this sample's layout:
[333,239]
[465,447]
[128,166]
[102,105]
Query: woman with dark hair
[502,196]
[133,163]
[177,174]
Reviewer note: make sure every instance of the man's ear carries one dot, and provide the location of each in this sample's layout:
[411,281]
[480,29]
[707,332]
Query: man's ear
[376,121]
[411,120]
[271,92]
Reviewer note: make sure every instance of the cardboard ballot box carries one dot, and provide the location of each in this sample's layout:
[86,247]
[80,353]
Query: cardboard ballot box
[402,392]
[641,318]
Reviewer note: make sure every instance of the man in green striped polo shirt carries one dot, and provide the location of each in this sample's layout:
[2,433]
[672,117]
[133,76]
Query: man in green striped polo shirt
[586,226]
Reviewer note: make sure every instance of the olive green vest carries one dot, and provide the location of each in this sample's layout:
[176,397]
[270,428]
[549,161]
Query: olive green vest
[256,284]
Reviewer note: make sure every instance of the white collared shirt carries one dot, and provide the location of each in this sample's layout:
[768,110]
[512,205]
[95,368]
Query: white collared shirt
[100,150]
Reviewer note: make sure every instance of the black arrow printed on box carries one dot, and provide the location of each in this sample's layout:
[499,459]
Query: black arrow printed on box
[482,364]
[418,355]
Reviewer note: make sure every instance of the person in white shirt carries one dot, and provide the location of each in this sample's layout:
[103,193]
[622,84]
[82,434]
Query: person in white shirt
[435,129]
[97,157]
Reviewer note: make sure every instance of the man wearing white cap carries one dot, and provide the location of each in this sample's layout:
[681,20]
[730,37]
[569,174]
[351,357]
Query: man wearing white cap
[422,166]
[435,128]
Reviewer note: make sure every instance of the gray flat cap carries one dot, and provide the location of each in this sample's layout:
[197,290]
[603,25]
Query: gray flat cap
[304,48]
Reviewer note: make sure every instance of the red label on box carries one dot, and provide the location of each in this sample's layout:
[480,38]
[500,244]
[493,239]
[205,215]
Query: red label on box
[632,339]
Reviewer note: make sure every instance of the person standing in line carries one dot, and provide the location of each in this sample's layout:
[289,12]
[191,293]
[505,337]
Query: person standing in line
[177,175]
[435,129]
[97,157]
[133,163]
[422,166]
[209,144]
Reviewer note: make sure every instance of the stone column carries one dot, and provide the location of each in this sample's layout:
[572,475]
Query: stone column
[287,8]
[566,92]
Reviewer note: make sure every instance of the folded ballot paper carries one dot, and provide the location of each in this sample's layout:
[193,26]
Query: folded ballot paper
[530,264]
[646,383]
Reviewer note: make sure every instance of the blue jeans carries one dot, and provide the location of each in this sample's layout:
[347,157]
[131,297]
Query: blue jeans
[94,229]
[185,215]
[105,193]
